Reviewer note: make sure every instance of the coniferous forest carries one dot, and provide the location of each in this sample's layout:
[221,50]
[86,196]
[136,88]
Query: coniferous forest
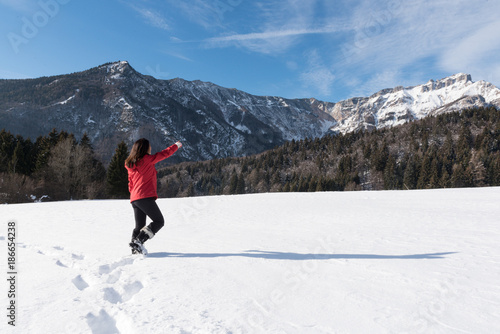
[459,149]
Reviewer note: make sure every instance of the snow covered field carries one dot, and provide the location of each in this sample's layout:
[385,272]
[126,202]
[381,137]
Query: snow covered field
[350,262]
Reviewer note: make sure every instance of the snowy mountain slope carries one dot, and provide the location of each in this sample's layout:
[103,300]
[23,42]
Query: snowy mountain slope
[360,262]
[396,106]
[113,102]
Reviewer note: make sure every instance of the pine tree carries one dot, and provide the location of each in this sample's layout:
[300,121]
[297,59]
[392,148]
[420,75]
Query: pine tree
[117,176]
[390,178]
[7,146]
[85,141]
[495,171]
[435,177]
[190,190]
[445,181]
[462,176]
[464,145]
[411,174]
[53,137]
[313,184]
[286,188]
[319,186]
[425,173]
[240,186]
[447,152]
[17,158]
[478,169]
[233,184]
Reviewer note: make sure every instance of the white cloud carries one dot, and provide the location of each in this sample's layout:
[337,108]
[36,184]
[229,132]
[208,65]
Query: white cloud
[470,55]
[270,41]
[177,55]
[272,34]
[317,76]
[277,26]
[377,82]
[208,14]
[388,47]
[152,18]
[363,47]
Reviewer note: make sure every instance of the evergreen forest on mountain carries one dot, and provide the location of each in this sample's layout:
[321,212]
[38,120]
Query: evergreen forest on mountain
[451,150]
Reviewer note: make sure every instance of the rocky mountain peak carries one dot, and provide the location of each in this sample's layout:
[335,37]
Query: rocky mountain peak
[395,106]
[117,66]
[459,78]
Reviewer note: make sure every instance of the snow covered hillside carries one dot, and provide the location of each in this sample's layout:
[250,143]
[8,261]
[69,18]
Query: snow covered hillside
[359,262]
[396,106]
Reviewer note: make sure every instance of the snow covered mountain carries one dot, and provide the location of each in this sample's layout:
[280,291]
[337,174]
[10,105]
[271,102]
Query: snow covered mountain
[113,102]
[390,107]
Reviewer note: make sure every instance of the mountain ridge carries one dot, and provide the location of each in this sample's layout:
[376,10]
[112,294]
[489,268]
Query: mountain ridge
[113,102]
[395,106]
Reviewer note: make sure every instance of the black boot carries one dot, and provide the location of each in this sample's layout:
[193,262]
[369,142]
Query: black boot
[137,243]
[136,248]
[145,234]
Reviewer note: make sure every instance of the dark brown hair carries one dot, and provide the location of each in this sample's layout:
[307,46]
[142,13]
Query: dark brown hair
[139,150]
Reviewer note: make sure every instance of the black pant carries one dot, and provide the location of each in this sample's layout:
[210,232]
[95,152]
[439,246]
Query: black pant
[147,207]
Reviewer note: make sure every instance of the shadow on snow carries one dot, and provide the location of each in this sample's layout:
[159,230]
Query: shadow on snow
[297,256]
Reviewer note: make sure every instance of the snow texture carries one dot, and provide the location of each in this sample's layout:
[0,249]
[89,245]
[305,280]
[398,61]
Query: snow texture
[360,262]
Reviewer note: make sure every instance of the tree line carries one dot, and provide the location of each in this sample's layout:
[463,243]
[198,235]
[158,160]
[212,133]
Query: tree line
[54,167]
[458,149]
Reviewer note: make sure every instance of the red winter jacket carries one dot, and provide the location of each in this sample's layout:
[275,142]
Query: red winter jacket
[142,176]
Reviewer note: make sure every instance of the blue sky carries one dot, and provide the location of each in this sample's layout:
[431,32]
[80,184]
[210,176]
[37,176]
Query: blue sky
[327,49]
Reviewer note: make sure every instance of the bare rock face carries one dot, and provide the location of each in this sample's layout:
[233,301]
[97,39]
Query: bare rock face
[391,107]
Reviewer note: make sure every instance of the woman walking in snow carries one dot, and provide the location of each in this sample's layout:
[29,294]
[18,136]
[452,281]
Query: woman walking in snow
[140,166]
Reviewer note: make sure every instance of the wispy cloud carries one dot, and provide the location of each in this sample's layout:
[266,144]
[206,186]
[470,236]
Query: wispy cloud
[277,26]
[385,78]
[152,18]
[317,76]
[446,36]
[471,53]
[270,41]
[272,34]
[357,47]
[177,55]
[211,15]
